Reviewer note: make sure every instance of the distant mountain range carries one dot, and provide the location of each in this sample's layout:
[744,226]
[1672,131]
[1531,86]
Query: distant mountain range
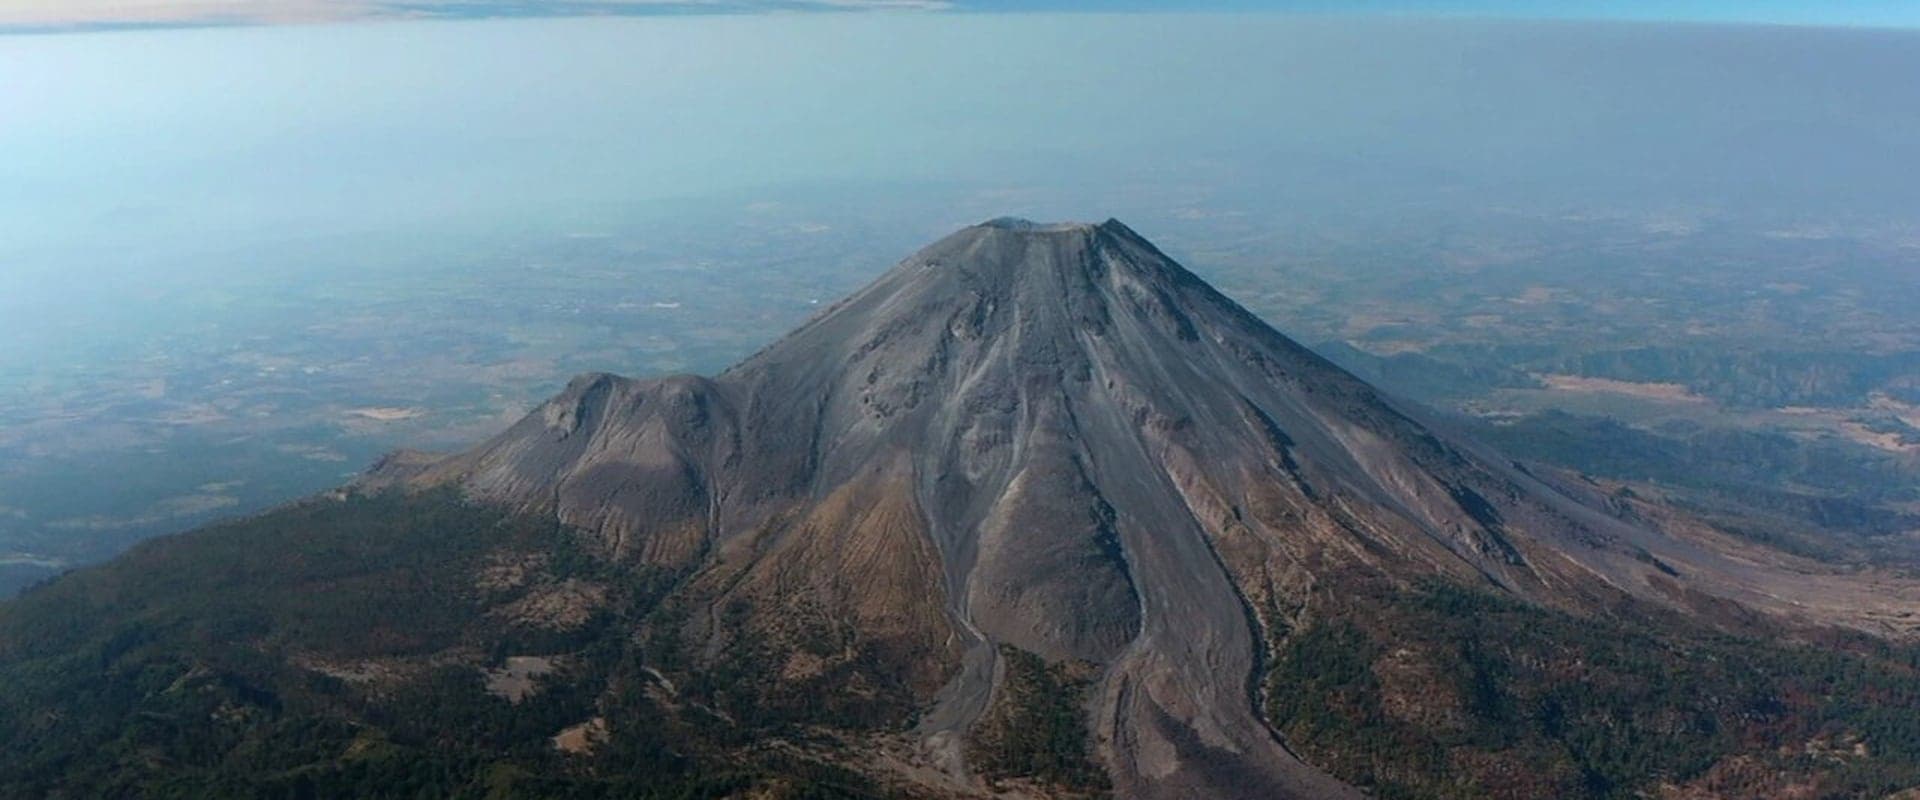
[1038,513]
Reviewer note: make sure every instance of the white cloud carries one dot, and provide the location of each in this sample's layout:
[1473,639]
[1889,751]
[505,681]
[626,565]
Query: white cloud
[51,13]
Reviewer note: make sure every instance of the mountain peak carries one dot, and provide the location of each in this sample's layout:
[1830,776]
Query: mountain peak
[1024,226]
[1039,262]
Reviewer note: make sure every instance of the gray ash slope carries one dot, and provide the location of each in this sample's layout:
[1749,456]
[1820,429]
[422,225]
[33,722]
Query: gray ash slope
[1054,437]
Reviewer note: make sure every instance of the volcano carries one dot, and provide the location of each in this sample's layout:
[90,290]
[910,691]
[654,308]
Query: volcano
[1045,466]
[1052,437]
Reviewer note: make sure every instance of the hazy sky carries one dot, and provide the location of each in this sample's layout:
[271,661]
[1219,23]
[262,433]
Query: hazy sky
[133,155]
[61,14]
[211,135]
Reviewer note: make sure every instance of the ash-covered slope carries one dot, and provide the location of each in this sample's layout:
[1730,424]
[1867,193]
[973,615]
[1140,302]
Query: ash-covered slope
[1054,438]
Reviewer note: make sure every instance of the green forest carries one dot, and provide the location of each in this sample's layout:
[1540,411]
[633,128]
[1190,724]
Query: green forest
[1440,691]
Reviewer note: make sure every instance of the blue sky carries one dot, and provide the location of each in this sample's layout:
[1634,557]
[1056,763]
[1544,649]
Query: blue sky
[1874,13]
[60,14]
[1879,13]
